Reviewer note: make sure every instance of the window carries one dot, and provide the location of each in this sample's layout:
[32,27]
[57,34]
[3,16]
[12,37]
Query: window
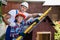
[43,35]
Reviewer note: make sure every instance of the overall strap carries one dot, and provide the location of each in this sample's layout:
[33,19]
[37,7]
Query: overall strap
[16,11]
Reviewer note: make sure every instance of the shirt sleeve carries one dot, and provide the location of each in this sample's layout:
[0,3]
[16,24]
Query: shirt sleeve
[29,21]
[13,14]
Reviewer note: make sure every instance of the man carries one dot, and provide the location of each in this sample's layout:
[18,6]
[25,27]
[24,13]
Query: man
[24,6]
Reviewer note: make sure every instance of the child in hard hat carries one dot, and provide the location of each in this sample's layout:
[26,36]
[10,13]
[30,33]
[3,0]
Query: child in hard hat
[17,28]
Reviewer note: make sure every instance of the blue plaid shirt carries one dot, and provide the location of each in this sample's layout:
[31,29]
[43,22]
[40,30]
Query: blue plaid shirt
[14,33]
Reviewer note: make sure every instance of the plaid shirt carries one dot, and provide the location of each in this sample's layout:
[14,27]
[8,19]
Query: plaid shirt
[14,33]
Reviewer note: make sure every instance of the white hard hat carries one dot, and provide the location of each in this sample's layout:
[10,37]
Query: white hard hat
[25,4]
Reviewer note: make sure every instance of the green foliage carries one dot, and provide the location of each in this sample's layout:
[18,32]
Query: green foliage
[57,27]
[0,3]
[0,12]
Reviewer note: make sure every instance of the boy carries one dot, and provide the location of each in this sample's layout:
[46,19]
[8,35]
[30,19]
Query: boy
[16,28]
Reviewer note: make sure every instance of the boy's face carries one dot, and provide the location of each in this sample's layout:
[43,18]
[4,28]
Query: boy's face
[19,19]
[23,8]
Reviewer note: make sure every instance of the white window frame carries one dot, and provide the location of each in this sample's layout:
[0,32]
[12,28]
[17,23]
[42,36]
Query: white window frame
[43,33]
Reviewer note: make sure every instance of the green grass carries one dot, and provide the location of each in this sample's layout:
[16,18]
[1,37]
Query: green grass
[2,37]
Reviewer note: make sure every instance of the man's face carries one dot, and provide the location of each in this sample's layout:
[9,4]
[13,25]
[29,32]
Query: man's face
[23,8]
[19,18]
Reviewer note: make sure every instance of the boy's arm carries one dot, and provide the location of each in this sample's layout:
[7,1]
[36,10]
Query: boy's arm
[29,21]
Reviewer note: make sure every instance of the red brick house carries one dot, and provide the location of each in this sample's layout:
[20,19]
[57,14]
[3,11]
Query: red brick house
[43,31]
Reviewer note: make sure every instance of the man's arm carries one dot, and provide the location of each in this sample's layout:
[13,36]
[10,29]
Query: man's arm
[31,15]
[34,15]
[5,19]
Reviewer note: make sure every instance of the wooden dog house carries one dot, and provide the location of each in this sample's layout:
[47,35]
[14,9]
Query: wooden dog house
[43,31]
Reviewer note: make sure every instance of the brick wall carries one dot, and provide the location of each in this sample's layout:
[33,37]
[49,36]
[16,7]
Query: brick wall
[34,7]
